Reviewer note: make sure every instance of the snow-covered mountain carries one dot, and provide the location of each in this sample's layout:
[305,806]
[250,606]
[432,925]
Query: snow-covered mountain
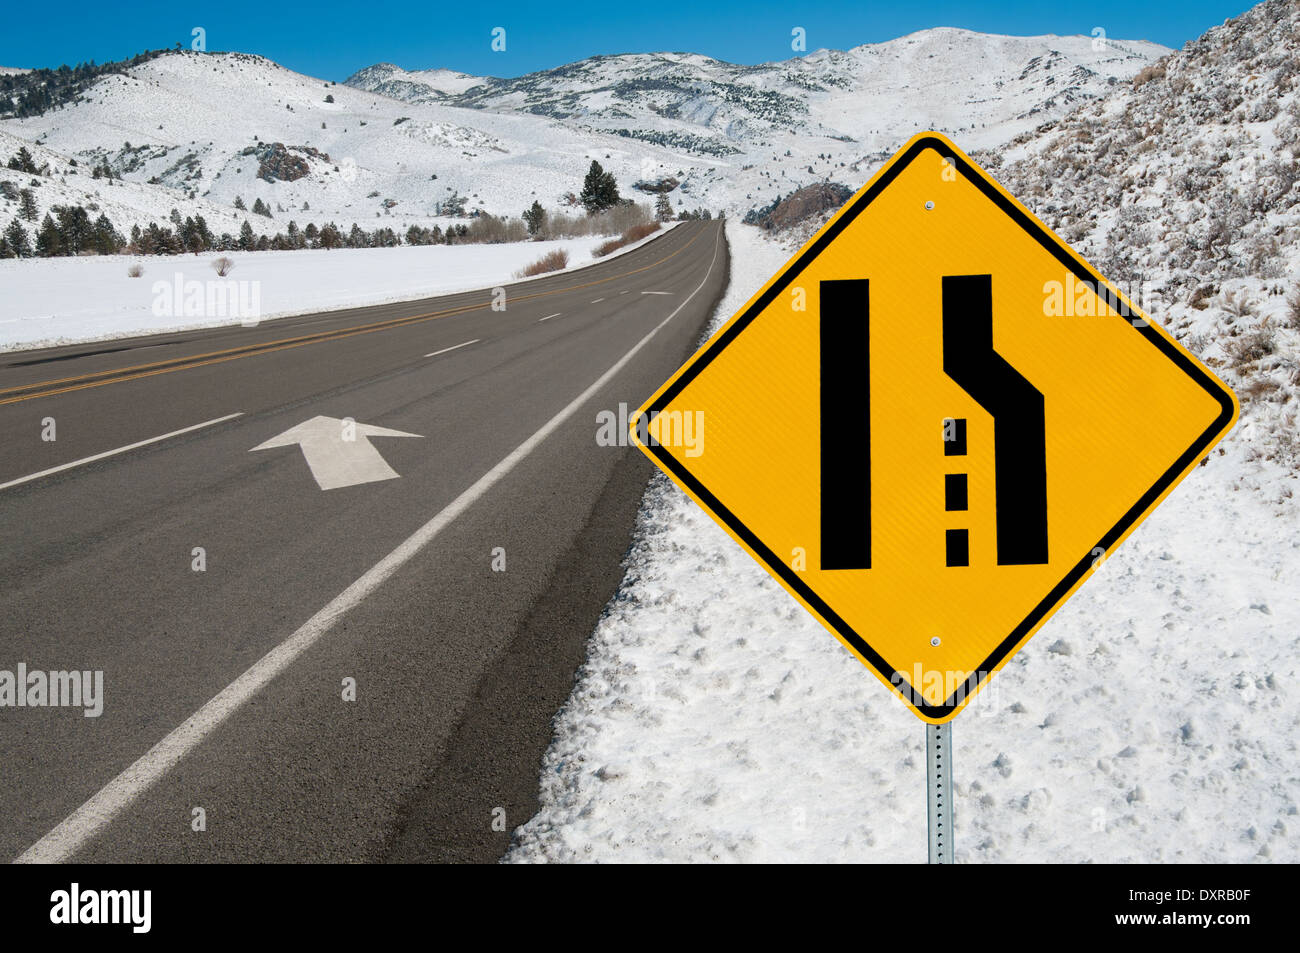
[194,131]
[980,87]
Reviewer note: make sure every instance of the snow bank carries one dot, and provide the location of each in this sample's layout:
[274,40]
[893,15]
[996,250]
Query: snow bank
[49,301]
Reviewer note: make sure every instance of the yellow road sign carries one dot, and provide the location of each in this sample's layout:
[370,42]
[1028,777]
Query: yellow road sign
[933,423]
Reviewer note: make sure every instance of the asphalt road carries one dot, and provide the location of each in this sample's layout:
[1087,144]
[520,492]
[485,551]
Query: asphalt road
[223,688]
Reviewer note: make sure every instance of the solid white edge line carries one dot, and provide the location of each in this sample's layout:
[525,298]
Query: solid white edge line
[549,316]
[453,347]
[111,453]
[656,292]
[102,808]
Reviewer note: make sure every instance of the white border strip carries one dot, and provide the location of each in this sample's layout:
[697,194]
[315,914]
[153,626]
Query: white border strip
[93,816]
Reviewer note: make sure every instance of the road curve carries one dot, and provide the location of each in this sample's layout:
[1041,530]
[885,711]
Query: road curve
[224,689]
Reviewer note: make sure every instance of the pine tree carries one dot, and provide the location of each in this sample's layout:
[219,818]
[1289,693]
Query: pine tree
[330,236]
[104,237]
[599,190]
[205,234]
[663,208]
[74,228]
[27,205]
[23,162]
[239,204]
[247,241]
[535,217]
[16,236]
[47,238]
[260,208]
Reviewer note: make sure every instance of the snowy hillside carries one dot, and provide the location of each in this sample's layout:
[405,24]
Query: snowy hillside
[196,131]
[1154,718]
[1186,186]
[773,127]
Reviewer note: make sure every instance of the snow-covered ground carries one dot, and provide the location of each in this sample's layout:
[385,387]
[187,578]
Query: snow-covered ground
[49,301]
[1154,718]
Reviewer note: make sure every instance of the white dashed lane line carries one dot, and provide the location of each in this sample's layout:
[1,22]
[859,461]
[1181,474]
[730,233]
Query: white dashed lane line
[113,453]
[549,316]
[453,347]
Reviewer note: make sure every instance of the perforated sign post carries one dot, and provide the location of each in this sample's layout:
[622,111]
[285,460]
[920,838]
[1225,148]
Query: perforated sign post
[931,426]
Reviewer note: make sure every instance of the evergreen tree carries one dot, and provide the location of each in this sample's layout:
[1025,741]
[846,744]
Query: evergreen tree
[205,234]
[535,217]
[247,240]
[104,237]
[23,162]
[47,238]
[74,228]
[260,208]
[599,190]
[330,237]
[239,204]
[27,205]
[16,237]
[663,208]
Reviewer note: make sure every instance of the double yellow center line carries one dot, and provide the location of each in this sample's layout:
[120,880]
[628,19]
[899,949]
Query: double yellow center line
[118,375]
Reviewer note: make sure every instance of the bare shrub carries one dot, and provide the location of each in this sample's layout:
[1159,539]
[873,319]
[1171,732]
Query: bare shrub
[1258,388]
[1148,73]
[633,234]
[135,270]
[1250,347]
[1293,311]
[613,221]
[551,261]
[1237,306]
[222,266]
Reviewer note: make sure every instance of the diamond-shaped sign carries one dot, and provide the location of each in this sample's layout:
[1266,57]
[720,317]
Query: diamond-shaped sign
[934,423]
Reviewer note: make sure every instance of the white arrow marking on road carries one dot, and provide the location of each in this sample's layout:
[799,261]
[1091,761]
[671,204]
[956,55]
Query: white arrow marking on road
[336,462]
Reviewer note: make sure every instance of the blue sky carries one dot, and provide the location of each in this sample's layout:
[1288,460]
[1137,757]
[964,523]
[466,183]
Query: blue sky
[333,40]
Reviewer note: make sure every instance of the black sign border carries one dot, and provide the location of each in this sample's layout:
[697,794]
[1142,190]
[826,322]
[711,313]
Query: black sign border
[1050,602]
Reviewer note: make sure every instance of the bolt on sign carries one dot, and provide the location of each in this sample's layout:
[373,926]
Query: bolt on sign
[934,422]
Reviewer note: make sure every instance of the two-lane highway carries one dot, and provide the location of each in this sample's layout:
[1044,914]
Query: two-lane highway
[361,672]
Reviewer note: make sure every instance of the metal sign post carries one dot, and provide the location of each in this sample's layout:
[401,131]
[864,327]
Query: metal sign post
[938,791]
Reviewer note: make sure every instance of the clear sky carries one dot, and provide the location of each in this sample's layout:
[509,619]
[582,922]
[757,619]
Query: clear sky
[332,40]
